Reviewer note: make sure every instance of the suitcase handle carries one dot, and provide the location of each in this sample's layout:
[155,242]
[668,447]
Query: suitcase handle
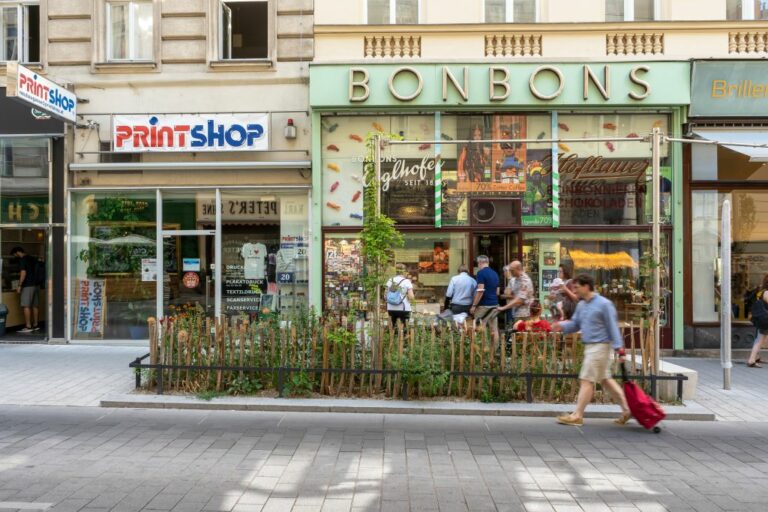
[623,366]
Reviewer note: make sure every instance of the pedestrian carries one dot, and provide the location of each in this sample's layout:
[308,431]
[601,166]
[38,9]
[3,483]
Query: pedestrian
[561,294]
[461,291]
[596,318]
[521,293]
[754,356]
[399,296]
[535,323]
[486,300]
[28,289]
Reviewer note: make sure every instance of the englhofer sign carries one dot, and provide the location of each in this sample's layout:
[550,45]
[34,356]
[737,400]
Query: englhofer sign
[29,87]
[438,85]
[190,133]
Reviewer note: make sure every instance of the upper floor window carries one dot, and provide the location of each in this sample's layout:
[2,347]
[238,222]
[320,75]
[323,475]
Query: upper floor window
[244,29]
[631,10]
[19,31]
[746,9]
[394,12]
[511,11]
[130,30]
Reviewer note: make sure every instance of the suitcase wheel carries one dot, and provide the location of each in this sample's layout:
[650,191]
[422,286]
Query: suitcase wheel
[656,430]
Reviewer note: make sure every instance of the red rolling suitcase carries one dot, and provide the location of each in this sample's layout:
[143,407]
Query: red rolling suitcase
[644,408]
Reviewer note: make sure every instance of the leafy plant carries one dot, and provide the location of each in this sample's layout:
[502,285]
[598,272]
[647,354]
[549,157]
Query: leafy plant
[209,395]
[244,386]
[299,385]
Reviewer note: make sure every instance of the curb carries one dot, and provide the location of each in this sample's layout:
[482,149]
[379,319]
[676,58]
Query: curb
[690,412]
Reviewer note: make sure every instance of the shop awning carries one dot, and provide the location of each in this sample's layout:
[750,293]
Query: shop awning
[601,261]
[740,136]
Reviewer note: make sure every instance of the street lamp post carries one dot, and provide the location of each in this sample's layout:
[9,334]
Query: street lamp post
[656,136]
[725,295]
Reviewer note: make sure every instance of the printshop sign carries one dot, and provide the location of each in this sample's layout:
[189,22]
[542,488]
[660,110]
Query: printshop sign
[190,133]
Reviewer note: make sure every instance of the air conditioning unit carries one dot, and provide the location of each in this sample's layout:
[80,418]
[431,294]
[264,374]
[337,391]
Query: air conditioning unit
[494,212]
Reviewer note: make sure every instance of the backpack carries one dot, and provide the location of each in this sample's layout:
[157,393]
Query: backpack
[39,275]
[760,313]
[395,296]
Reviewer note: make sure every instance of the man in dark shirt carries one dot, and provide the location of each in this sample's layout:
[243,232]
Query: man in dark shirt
[28,290]
[487,298]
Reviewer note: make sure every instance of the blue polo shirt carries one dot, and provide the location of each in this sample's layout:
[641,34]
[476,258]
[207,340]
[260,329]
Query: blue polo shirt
[490,279]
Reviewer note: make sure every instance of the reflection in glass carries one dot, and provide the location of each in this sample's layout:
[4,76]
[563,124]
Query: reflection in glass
[644,10]
[406,12]
[524,11]
[495,11]
[24,196]
[614,10]
[9,32]
[378,12]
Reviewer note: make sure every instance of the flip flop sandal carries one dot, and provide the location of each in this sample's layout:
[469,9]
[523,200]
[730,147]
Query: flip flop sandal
[756,364]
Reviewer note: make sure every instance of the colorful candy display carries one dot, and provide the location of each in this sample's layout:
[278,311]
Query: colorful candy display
[609,126]
[334,167]
[332,147]
[335,206]
[356,196]
[334,186]
[356,138]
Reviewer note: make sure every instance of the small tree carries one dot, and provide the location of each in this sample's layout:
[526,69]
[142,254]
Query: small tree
[379,237]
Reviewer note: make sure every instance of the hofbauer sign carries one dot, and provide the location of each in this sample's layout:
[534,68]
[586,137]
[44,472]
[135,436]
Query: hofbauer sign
[190,132]
[29,87]
[729,89]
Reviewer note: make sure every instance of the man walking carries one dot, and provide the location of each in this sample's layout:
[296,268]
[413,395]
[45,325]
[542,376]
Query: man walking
[486,298]
[596,318]
[519,292]
[28,290]
[461,291]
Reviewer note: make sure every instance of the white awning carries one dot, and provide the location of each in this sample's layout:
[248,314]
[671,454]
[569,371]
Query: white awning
[740,136]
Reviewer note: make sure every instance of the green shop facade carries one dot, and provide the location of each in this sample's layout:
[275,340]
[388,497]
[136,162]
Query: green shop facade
[497,198]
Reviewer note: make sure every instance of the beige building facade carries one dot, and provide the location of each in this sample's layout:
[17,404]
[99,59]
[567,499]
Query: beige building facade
[188,171]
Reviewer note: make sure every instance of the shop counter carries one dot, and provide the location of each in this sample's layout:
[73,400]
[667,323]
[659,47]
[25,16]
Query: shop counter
[15,313]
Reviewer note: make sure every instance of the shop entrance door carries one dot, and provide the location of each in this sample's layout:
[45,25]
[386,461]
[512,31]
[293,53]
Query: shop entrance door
[501,248]
[189,269]
[34,242]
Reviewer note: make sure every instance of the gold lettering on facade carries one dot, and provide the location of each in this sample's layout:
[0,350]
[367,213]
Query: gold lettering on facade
[604,88]
[642,83]
[462,89]
[34,211]
[359,84]
[406,97]
[14,211]
[504,82]
[539,94]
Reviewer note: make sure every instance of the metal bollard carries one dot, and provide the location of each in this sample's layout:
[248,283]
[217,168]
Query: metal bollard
[280,383]
[529,387]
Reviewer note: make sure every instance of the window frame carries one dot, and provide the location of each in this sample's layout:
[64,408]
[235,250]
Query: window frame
[132,43]
[748,11]
[218,40]
[509,12]
[629,10]
[22,20]
[393,12]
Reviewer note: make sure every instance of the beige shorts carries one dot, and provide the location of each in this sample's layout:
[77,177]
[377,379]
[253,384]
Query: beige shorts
[598,362]
[487,315]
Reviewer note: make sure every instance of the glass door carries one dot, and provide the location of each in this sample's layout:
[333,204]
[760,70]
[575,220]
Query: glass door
[189,267]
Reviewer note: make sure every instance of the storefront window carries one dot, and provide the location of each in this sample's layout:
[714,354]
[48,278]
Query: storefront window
[621,264]
[265,258]
[431,259]
[343,263]
[407,171]
[716,162]
[608,182]
[113,240]
[24,196]
[503,184]
[749,253]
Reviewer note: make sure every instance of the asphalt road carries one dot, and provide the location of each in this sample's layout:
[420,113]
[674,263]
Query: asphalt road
[90,459]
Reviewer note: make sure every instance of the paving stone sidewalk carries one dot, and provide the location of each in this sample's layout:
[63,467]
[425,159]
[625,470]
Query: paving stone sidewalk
[89,459]
[70,375]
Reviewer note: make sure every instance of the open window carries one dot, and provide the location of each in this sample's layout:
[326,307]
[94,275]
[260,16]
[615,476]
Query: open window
[19,31]
[632,10]
[511,11]
[244,28]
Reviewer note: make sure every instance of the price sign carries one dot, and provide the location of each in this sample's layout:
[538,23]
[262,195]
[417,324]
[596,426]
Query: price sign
[285,277]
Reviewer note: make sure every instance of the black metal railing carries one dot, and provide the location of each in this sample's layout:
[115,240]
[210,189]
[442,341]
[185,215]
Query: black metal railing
[283,371]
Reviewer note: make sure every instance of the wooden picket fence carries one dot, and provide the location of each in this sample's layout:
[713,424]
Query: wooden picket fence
[338,357]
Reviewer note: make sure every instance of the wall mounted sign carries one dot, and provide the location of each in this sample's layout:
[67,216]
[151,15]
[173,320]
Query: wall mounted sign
[238,208]
[442,85]
[191,280]
[729,89]
[190,133]
[29,87]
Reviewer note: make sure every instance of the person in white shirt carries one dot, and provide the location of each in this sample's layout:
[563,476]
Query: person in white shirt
[399,294]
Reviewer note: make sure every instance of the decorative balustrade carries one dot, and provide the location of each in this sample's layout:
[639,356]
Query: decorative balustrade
[747,42]
[392,46]
[513,45]
[634,44]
